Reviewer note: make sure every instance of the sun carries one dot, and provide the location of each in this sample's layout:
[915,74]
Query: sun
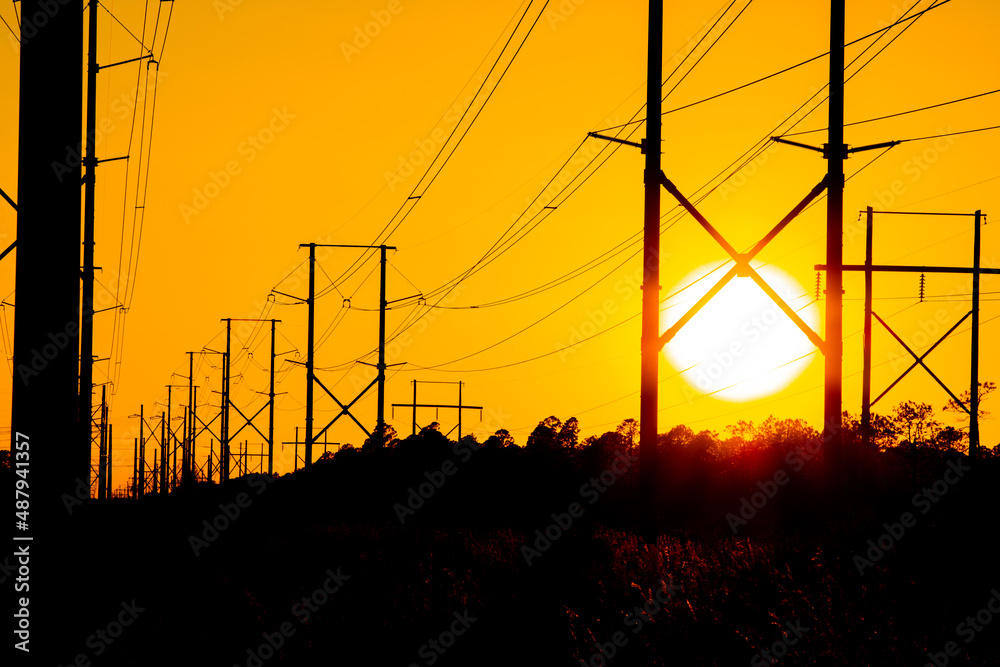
[740,346]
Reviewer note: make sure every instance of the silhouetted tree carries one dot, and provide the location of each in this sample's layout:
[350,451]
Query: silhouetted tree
[545,436]
[882,431]
[949,438]
[388,440]
[961,410]
[569,434]
[499,440]
[628,430]
[915,421]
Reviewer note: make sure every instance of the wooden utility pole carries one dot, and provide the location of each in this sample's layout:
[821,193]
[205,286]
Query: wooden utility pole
[836,152]
[142,451]
[866,359]
[102,461]
[648,394]
[135,467]
[189,426]
[224,443]
[109,493]
[87,305]
[163,453]
[270,394]
[974,450]
[382,304]
[310,357]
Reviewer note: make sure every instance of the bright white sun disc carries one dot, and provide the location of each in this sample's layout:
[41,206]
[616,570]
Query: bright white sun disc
[741,345]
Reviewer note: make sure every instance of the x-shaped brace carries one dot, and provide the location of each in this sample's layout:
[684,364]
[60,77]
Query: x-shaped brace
[742,267]
[344,409]
[919,360]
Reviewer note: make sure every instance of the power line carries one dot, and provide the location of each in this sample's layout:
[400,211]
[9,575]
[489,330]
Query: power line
[895,115]
[787,69]
[951,134]
[11,29]
[414,197]
[111,14]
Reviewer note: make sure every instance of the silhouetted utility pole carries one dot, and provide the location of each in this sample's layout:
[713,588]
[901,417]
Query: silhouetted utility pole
[87,314]
[102,461]
[192,448]
[310,357]
[142,451]
[45,399]
[974,380]
[224,442]
[270,395]
[90,162]
[109,493]
[135,468]
[163,453]
[836,151]
[414,405]
[189,426]
[866,356]
[648,390]
[310,353]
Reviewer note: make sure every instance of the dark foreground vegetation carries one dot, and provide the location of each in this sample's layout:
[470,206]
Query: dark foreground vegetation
[426,551]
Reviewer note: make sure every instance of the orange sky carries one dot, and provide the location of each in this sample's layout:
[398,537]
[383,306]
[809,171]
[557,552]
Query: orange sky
[277,125]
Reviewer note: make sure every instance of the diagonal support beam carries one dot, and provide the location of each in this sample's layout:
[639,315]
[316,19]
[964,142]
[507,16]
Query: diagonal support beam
[923,356]
[920,360]
[742,260]
[669,334]
[689,207]
[205,427]
[792,315]
[344,409]
[794,213]
[249,422]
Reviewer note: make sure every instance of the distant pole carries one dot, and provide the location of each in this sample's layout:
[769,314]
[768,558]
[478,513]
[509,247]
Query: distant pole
[170,437]
[142,450]
[835,152]
[87,303]
[110,452]
[974,380]
[163,453]
[866,371]
[648,399]
[270,422]
[135,467]
[189,424]
[382,305]
[460,410]
[102,461]
[309,358]
[194,433]
[227,368]
[415,407]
